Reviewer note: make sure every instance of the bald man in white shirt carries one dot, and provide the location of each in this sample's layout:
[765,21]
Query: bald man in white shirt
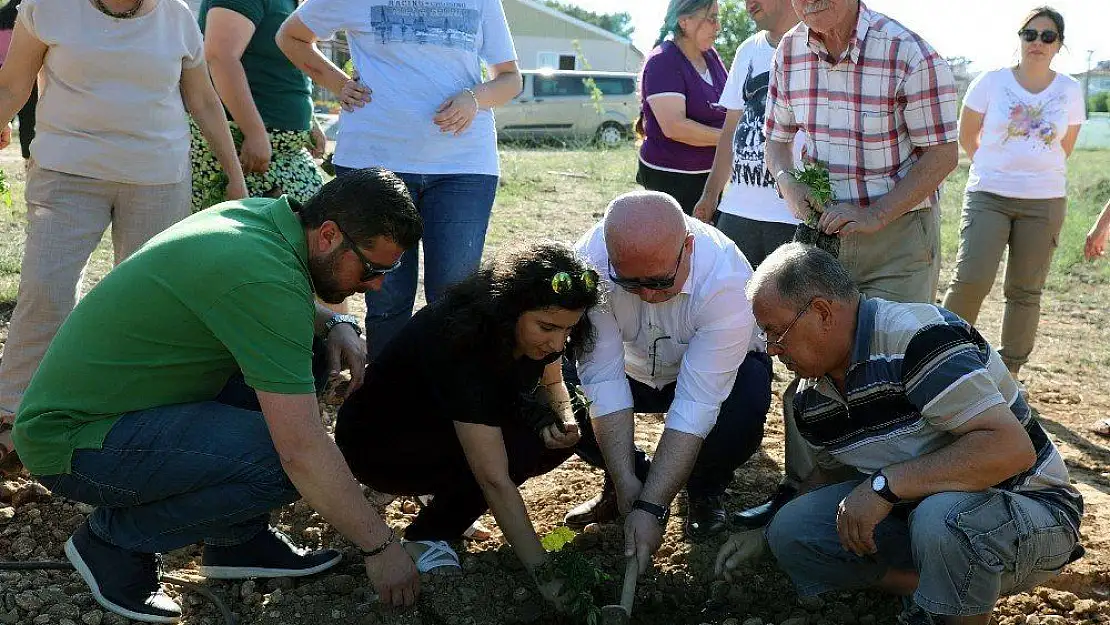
[677,336]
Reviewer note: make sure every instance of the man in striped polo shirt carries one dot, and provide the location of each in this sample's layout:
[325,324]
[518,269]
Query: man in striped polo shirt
[934,478]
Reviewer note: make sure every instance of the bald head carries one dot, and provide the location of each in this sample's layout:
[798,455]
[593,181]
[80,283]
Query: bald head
[642,227]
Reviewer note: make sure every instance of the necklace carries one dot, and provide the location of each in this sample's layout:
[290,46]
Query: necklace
[129,13]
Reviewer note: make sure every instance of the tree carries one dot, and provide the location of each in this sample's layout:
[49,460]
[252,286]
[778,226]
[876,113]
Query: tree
[619,24]
[736,26]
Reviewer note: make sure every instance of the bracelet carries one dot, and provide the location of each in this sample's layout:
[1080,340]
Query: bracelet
[370,553]
[477,105]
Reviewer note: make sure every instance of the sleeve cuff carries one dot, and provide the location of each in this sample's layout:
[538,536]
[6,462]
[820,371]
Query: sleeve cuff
[690,417]
[608,397]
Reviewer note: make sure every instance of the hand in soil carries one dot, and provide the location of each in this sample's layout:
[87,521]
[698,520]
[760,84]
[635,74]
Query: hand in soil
[643,536]
[740,548]
[856,518]
[394,576]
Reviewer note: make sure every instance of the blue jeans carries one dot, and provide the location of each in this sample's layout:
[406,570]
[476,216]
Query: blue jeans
[456,210]
[968,548]
[171,476]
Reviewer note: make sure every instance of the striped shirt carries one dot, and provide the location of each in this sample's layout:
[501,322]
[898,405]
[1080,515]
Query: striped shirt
[867,114]
[918,372]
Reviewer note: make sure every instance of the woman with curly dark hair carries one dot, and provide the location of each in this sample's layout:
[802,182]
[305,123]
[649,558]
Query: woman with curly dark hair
[468,401]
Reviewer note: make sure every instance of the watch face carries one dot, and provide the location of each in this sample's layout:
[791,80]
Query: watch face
[878,483]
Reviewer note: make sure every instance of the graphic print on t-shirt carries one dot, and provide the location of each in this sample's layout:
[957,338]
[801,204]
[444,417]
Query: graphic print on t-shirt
[442,23]
[1030,121]
[748,141]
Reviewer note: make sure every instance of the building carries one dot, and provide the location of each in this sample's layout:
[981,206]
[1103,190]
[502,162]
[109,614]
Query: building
[545,37]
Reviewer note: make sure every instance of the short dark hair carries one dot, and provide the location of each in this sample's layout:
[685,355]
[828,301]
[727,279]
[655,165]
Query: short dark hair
[484,308]
[366,203]
[1050,13]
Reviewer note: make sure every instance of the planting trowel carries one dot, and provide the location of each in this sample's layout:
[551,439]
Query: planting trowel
[621,613]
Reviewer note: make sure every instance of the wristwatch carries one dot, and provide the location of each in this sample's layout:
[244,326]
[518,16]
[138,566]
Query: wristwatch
[882,488]
[339,318]
[661,513]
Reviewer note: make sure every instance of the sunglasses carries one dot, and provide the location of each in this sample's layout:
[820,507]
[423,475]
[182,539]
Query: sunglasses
[633,285]
[370,270]
[562,282]
[1029,35]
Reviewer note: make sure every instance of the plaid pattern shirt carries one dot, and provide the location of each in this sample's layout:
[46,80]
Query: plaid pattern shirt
[866,115]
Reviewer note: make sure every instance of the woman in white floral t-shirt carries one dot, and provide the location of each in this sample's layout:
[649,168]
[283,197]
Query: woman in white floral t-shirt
[1018,125]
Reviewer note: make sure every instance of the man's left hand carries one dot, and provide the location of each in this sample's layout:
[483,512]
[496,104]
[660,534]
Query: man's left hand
[643,535]
[850,219]
[856,518]
[347,350]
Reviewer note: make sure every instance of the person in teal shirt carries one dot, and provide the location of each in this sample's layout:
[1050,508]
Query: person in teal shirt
[129,409]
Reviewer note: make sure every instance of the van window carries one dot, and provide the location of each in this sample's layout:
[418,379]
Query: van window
[547,86]
[614,85]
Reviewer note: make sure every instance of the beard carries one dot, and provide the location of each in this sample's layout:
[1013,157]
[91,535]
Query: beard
[323,270]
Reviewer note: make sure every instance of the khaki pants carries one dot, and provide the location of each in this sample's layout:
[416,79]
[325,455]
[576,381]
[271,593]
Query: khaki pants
[66,218]
[900,263]
[1031,229]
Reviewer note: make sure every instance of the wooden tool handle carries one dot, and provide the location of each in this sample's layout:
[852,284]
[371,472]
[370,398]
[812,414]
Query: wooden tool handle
[628,593]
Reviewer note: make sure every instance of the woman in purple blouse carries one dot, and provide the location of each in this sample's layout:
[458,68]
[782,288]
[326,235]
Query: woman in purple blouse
[680,118]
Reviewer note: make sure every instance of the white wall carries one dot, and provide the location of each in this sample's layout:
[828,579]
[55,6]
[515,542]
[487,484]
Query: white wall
[602,55]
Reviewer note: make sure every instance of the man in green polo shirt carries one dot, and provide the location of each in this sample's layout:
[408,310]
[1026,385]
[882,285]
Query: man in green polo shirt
[128,411]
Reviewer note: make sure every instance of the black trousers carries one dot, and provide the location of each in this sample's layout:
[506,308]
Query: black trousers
[736,436]
[27,122]
[432,462]
[686,188]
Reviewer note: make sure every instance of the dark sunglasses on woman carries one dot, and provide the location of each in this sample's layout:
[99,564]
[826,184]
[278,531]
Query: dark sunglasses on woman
[1029,35]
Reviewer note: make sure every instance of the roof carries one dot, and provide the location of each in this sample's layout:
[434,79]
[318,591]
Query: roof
[543,8]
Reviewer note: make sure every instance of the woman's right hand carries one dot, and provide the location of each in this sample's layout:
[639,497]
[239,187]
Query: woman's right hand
[354,94]
[1096,243]
[255,154]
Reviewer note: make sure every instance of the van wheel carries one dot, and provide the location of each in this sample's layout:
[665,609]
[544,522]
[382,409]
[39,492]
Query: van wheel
[610,134]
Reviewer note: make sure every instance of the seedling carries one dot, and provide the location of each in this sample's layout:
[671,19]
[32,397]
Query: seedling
[815,177]
[580,577]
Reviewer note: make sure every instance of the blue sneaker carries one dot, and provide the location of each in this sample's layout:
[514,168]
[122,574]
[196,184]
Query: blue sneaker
[269,554]
[124,582]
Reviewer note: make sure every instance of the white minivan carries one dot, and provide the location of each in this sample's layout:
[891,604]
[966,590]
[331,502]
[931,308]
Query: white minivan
[563,104]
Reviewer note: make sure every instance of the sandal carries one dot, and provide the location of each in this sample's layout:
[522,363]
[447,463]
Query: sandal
[10,465]
[1101,427]
[433,556]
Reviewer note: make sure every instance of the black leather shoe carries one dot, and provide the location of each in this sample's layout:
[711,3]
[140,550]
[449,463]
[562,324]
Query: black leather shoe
[600,509]
[758,516]
[705,516]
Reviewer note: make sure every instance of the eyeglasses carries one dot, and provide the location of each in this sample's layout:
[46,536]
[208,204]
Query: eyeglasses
[778,343]
[562,283]
[1029,35]
[633,285]
[370,270]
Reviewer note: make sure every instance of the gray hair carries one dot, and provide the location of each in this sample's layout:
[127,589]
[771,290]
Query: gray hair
[797,273]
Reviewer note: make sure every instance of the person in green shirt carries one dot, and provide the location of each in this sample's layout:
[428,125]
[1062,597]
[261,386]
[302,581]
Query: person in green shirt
[268,101]
[130,412]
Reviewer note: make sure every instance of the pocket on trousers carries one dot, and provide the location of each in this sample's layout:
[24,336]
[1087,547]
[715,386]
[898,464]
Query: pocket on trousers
[990,531]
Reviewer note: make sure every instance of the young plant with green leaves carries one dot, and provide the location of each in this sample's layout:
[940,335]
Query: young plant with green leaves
[581,578]
[815,177]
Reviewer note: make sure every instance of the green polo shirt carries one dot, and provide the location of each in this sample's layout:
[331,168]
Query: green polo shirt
[282,93]
[224,290]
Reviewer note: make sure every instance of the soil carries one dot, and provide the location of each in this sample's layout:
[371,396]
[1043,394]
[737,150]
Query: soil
[493,590]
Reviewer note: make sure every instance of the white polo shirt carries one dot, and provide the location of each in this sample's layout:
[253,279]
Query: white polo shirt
[698,338]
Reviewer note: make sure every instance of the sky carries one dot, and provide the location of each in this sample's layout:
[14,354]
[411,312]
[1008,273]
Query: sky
[982,30]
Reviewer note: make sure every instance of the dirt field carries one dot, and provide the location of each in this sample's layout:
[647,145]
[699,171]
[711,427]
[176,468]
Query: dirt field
[561,193]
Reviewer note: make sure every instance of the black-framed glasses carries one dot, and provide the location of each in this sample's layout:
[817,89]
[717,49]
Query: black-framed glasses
[1029,35]
[563,283]
[778,343]
[370,270]
[652,284]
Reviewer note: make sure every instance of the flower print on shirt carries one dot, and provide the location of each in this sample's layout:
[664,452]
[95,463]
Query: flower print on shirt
[1030,121]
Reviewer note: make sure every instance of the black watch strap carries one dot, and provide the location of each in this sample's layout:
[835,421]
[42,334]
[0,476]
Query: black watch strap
[881,485]
[661,513]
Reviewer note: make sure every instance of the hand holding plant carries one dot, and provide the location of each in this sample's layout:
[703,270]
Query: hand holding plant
[815,177]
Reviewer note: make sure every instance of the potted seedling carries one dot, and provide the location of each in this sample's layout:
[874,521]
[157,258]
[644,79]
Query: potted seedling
[581,578]
[815,177]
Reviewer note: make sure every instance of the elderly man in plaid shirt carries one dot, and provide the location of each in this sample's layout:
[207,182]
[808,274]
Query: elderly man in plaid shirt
[877,106]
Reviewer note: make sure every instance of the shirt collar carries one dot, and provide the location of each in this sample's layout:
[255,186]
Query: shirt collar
[855,46]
